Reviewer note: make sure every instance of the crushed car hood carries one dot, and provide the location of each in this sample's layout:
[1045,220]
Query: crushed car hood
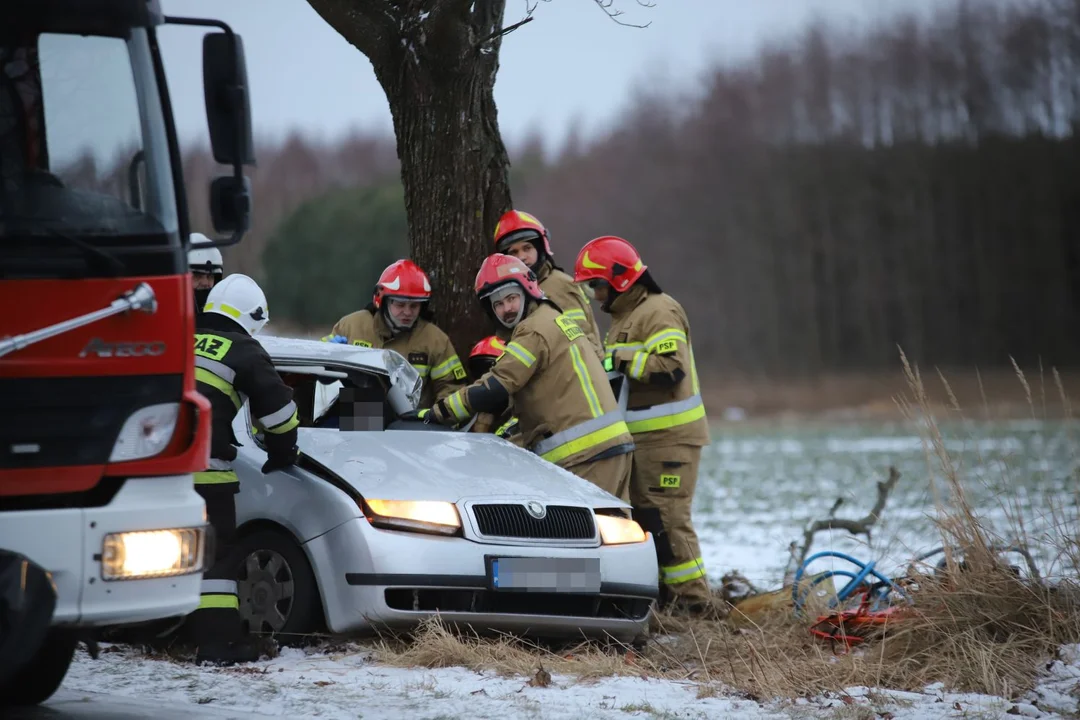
[443,465]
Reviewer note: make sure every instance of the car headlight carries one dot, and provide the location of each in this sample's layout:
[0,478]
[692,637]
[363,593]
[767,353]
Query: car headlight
[415,515]
[152,553]
[619,530]
[146,432]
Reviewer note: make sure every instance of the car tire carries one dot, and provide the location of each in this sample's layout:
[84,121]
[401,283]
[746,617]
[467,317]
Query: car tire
[36,681]
[267,561]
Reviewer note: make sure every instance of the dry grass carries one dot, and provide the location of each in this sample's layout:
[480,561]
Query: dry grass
[976,624]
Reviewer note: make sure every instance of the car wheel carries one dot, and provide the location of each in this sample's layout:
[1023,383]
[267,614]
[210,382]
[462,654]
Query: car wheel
[36,681]
[276,587]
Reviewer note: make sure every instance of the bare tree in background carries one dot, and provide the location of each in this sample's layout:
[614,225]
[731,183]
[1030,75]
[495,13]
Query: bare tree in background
[436,60]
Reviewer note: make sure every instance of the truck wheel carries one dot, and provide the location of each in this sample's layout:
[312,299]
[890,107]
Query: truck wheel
[277,589]
[39,679]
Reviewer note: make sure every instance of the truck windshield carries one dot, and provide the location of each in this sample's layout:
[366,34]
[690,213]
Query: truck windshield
[85,169]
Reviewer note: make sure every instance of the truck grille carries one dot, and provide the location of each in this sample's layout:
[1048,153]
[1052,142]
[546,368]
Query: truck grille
[561,522]
[73,420]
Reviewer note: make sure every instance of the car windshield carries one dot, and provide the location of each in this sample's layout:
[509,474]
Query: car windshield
[84,161]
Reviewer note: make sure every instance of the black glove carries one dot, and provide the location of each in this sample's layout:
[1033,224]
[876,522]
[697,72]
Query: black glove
[423,415]
[281,461]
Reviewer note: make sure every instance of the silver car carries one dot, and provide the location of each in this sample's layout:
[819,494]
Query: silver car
[385,522]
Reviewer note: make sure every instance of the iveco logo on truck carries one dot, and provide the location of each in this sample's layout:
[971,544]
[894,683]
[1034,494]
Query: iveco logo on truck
[101,348]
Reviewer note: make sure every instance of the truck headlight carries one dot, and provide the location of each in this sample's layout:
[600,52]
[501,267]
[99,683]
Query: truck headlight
[146,432]
[152,553]
[619,530]
[415,515]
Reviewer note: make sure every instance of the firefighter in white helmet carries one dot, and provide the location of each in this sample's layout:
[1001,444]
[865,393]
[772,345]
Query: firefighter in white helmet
[206,268]
[231,366]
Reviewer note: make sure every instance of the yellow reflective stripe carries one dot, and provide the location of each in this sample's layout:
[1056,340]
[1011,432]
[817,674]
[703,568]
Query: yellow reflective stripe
[424,370]
[665,334]
[637,367]
[227,309]
[205,376]
[667,421]
[527,358]
[222,602]
[585,381]
[684,572]
[585,442]
[575,314]
[624,346]
[457,406]
[285,426]
[216,477]
[446,367]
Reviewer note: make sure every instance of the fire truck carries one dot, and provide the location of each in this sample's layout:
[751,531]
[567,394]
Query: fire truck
[101,427]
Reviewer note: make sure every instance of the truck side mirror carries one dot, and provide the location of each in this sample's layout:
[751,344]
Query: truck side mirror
[228,111]
[230,204]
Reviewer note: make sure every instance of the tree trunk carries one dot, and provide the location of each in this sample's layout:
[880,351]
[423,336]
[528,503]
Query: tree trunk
[437,67]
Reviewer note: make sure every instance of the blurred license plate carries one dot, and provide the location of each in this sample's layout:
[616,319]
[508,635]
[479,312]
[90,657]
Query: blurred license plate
[534,574]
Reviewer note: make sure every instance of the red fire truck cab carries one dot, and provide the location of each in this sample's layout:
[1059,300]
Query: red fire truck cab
[101,426]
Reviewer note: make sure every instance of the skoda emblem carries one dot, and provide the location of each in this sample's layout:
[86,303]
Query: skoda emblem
[537,510]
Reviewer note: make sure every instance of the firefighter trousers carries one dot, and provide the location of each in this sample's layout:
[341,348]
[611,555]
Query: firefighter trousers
[217,620]
[611,474]
[661,493]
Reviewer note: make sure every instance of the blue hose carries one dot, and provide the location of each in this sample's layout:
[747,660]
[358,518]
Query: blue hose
[883,587]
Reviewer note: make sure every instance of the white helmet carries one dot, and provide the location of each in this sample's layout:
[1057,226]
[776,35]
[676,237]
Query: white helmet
[204,260]
[239,298]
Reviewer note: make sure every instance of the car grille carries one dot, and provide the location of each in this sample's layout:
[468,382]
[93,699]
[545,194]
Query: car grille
[465,600]
[562,522]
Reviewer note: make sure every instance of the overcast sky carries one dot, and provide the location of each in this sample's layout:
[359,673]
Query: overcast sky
[570,62]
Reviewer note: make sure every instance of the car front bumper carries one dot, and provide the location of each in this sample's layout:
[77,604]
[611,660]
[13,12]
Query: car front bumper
[68,543]
[371,577]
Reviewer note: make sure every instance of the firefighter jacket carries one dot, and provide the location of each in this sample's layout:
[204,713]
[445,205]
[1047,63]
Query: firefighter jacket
[649,342]
[231,366]
[561,289]
[566,411]
[425,346]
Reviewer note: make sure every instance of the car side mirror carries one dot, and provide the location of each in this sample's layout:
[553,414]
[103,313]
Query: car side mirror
[230,204]
[228,111]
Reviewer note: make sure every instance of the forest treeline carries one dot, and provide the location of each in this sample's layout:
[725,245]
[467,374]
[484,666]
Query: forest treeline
[838,197]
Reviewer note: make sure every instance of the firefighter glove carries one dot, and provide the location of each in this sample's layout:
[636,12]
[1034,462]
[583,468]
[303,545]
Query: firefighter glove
[423,415]
[340,339]
[280,461]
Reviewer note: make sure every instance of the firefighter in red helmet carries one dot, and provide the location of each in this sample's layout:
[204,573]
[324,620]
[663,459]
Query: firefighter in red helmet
[523,236]
[399,319]
[649,343]
[567,412]
[482,358]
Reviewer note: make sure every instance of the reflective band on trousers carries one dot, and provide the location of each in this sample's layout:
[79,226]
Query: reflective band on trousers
[581,437]
[684,572]
[221,601]
[215,477]
[667,415]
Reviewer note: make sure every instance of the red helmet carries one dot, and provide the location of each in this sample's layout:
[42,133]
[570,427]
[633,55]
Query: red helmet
[497,270]
[515,226]
[402,280]
[609,258]
[484,354]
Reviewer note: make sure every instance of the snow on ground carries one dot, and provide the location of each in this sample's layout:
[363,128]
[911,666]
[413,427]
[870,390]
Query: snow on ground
[756,492]
[300,684]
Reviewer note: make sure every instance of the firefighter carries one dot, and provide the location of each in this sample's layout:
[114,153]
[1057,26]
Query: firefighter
[399,319]
[206,268]
[566,410]
[230,365]
[481,359]
[649,342]
[521,235]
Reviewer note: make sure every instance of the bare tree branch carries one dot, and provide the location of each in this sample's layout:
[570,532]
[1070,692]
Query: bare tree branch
[500,33]
[608,6]
[855,527]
